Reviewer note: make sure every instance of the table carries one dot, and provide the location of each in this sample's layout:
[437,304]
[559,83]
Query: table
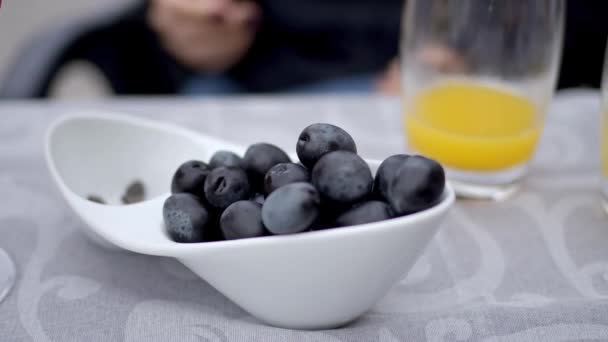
[531,268]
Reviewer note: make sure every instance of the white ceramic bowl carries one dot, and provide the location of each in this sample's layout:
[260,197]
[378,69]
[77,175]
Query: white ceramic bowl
[312,280]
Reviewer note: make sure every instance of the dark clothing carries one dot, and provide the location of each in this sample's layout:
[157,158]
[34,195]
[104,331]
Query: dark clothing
[129,53]
[584,43]
[308,41]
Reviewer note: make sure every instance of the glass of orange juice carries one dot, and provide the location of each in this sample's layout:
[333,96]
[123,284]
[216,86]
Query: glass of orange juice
[604,134]
[477,78]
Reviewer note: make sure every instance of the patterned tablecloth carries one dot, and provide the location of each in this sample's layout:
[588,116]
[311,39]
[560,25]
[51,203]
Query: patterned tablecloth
[531,268]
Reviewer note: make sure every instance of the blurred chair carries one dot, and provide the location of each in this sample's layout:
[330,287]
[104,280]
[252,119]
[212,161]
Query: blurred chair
[118,43]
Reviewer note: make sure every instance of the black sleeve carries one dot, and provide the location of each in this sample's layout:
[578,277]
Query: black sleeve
[584,43]
[130,55]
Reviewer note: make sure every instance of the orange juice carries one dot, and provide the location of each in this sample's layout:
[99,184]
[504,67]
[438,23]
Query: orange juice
[472,126]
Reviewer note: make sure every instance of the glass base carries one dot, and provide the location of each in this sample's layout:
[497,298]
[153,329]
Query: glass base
[7,274]
[494,186]
[605,195]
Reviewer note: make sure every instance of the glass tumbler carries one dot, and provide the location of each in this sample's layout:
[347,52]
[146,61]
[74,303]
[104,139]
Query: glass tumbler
[477,78]
[604,134]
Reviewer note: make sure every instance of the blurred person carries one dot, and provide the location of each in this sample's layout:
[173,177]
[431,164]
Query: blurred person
[328,45]
[261,46]
[289,45]
[206,35]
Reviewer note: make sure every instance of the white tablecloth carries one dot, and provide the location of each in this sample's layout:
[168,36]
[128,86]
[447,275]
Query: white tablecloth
[531,268]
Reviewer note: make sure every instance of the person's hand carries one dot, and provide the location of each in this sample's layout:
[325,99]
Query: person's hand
[433,56]
[389,82]
[442,58]
[206,35]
